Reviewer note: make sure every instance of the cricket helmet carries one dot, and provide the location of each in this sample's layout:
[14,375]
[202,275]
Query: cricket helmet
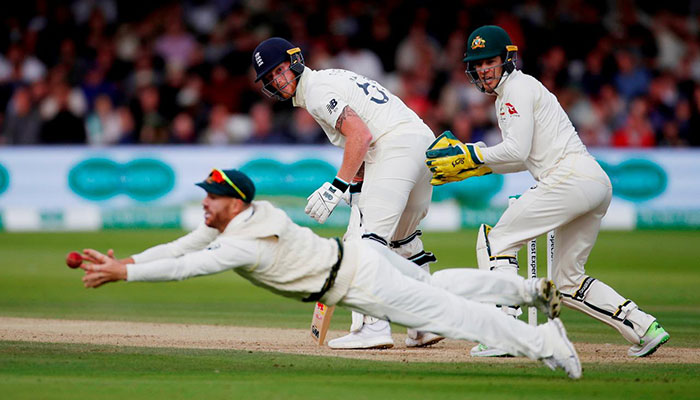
[489,41]
[272,52]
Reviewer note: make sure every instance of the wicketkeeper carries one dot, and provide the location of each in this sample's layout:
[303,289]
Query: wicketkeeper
[260,243]
[571,196]
[372,126]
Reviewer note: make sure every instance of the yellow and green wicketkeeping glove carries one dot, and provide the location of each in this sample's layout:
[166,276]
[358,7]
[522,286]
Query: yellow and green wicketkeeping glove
[451,160]
[439,179]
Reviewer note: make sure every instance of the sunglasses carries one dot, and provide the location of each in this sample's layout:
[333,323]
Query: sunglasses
[218,176]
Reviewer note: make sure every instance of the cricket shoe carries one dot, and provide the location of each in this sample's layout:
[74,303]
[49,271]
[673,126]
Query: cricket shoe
[547,298]
[650,342]
[416,338]
[564,354]
[482,350]
[370,336]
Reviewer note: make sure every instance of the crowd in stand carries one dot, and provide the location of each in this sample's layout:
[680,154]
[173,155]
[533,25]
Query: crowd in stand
[102,72]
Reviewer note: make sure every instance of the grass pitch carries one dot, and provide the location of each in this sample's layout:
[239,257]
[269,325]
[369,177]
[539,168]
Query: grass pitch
[657,269]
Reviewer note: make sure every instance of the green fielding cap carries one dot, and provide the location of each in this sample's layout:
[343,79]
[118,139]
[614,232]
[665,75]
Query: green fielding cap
[229,182]
[486,42]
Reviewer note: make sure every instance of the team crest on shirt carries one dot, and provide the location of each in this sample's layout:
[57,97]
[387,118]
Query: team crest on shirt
[511,109]
[478,43]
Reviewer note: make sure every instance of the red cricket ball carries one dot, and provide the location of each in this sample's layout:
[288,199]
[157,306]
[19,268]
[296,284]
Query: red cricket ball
[74,259]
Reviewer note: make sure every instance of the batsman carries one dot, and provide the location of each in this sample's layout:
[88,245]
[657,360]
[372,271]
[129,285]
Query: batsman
[571,196]
[378,131]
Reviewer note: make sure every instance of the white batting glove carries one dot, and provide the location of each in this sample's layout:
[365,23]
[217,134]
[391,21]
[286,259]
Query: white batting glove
[352,195]
[323,201]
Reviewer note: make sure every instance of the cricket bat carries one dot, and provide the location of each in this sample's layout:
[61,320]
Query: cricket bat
[320,322]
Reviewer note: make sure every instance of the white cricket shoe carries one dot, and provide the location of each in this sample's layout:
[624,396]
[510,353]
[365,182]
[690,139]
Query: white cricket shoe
[370,336]
[564,355]
[416,338]
[547,298]
[655,336]
[482,350]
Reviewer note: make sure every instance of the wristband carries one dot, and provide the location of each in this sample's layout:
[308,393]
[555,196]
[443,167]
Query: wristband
[356,187]
[340,184]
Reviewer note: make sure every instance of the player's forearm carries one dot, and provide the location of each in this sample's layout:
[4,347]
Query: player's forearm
[356,146]
[507,152]
[205,262]
[352,160]
[193,241]
[507,168]
[167,269]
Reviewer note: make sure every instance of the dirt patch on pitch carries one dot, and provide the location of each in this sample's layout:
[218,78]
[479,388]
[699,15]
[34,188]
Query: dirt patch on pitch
[291,341]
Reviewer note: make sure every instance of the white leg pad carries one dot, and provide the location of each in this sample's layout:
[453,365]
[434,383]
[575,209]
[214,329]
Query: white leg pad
[483,252]
[603,303]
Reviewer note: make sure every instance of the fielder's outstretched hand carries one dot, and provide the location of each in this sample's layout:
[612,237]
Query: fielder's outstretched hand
[103,269]
[87,257]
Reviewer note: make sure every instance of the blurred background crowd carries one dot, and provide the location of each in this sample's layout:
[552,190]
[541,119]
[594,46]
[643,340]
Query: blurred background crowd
[108,72]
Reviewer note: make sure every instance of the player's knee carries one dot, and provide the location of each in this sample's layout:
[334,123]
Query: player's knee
[411,248]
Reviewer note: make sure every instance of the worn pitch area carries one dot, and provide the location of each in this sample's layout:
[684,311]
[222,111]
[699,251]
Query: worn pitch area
[291,341]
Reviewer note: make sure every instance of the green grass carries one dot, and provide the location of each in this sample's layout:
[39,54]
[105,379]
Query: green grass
[63,371]
[657,269]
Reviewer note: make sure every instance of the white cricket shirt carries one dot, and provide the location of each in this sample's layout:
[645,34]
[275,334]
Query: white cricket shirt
[325,93]
[262,245]
[536,131]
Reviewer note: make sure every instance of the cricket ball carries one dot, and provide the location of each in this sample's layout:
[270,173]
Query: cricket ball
[74,259]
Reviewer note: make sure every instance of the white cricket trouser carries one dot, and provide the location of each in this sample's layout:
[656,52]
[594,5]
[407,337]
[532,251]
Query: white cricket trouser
[572,201]
[396,190]
[396,194]
[448,303]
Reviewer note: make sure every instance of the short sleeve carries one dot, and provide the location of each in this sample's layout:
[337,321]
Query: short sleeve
[325,104]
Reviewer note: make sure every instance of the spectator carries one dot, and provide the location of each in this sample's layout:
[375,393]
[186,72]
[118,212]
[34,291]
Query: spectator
[196,55]
[305,130]
[263,129]
[63,125]
[22,122]
[637,130]
[360,60]
[104,124]
[224,89]
[176,45]
[182,129]
[632,78]
[150,123]
[20,67]
[217,131]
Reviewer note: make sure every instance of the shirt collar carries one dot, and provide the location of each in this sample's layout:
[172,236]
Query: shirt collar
[504,82]
[299,100]
[239,219]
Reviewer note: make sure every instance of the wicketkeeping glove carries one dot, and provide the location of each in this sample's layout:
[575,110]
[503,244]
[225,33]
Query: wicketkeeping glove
[323,201]
[439,179]
[447,156]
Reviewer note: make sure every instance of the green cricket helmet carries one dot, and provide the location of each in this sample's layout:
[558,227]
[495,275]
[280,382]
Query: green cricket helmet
[486,42]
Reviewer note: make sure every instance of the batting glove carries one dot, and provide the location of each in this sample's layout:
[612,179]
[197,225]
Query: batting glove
[352,196]
[439,179]
[323,201]
[448,156]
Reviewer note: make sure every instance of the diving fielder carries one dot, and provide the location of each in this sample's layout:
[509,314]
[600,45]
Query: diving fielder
[571,196]
[260,243]
[375,127]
